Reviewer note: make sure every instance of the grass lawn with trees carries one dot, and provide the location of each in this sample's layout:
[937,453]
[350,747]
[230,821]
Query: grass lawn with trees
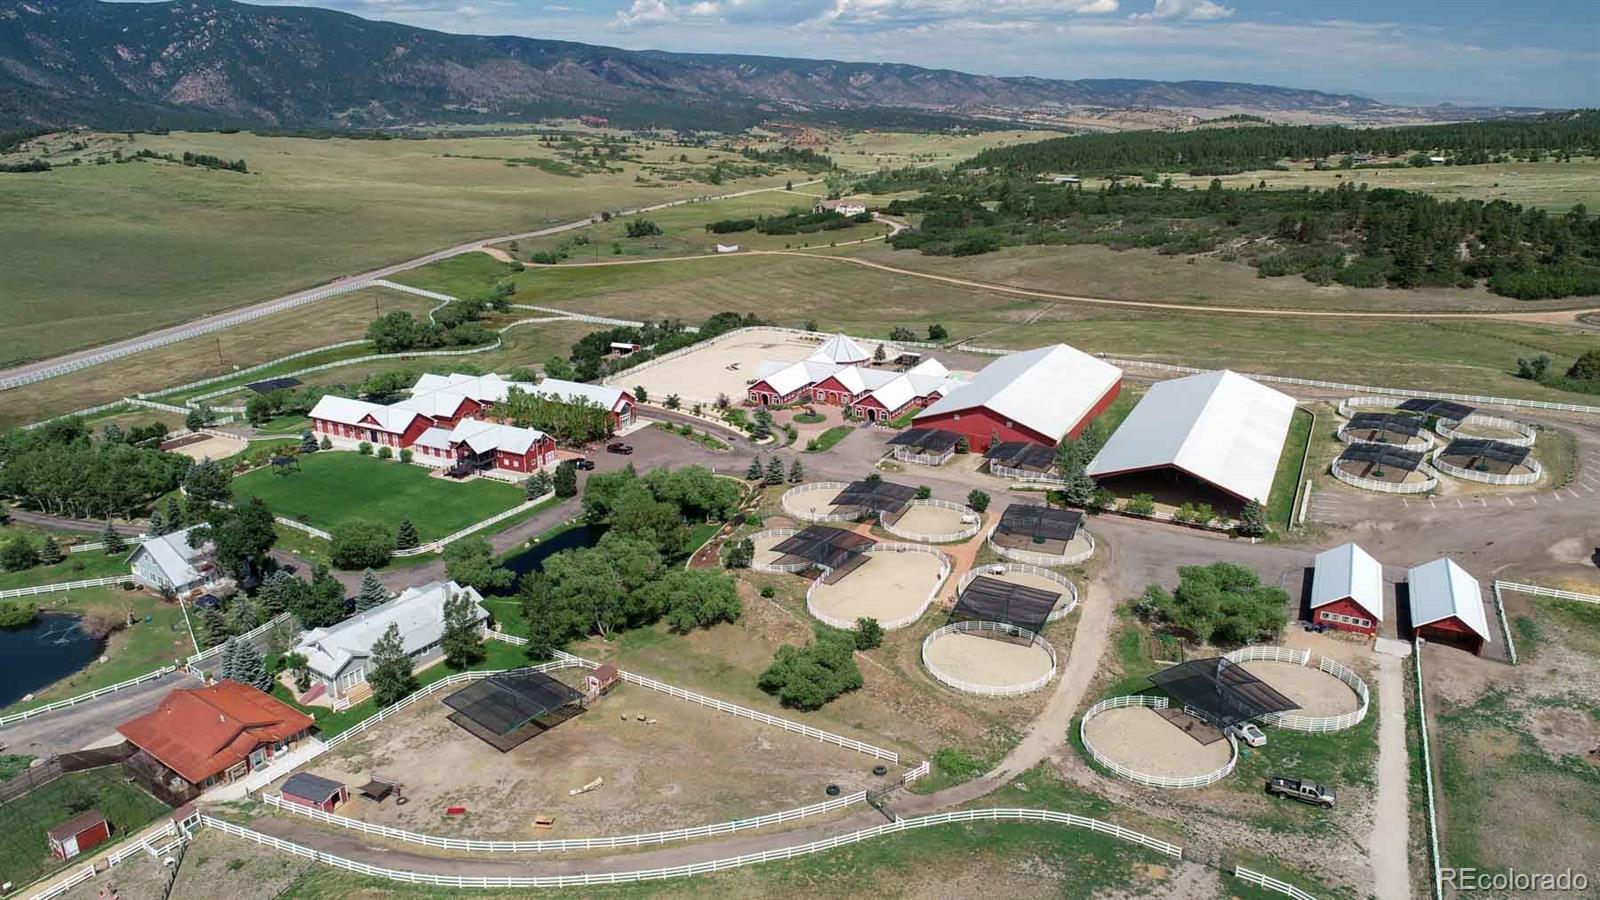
[76,567]
[24,851]
[336,487]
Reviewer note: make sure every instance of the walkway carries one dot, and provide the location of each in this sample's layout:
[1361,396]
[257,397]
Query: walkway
[1391,826]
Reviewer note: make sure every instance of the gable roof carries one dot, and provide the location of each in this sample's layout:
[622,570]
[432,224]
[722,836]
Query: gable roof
[310,787]
[895,394]
[1220,427]
[575,391]
[1442,589]
[929,366]
[840,349]
[434,404]
[418,612]
[794,376]
[172,554]
[482,437]
[1047,390]
[347,411]
[1347,571]
[201,732]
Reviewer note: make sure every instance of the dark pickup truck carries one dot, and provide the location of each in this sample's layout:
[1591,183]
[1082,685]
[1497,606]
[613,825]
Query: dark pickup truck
[1299,789]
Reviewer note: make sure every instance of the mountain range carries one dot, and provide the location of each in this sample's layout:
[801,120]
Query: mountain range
[214,63]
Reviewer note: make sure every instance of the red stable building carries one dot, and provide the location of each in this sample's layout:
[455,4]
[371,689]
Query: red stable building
[357,420]
[486,445]
[84,831]
[1347,590]
[314,791]
[1447,606]
[1043,396]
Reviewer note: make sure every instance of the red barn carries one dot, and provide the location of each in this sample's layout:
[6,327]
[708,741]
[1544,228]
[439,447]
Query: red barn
[344,419]
[83,831]
[487,445]
[1347,590]
[1447,605]
[1042,395]
[314,791]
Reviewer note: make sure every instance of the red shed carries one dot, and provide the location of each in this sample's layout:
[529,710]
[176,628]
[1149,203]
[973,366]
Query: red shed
[82,832]
[314,791]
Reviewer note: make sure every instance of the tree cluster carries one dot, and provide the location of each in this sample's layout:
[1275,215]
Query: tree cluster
[58,469]
[810,676]
[657,506]
[569,422]
[1222,602]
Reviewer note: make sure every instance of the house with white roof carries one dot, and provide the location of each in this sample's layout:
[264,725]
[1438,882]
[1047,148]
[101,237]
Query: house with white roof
[480,446]
[353,421]
[1042,395]
[1446,605]
[1219,429]
[167,565]
[842,207]
[339,656]
[1347,589]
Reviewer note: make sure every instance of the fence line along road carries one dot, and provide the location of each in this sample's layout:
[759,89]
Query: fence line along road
[1505,624]
[250,635]
[1552,593]
[85,698]
[64,586]
[1427,774]
[719,865]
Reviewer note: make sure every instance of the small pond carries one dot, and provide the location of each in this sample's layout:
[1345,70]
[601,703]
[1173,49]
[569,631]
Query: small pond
[38,655]
[532,559]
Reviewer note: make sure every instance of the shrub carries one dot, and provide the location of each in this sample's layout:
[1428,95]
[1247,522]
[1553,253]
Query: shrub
[386,452]
[406,455]
[364,448]
[768,592]
[978,500]
[360,544]
[808,677]
[1140,505]
[869,633]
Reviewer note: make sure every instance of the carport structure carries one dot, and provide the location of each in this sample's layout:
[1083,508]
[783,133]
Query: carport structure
[925,446]
[1385,468]
[1494,462]
[834,550]
[1394,429]
[988,599]
[1023,461]
[1042,535]
[875,497]
[507,709]
[1220,691]
[1441,410]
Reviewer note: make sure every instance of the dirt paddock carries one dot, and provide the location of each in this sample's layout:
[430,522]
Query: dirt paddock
[694,766]
[1028,579]
[765,555]
[726,367]
[1317,692]
[204,446]
[1139,738]
[931,521]
[889,585]
[986,661]
[814,504]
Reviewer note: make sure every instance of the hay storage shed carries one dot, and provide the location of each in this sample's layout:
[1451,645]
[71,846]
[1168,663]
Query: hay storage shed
[84,831]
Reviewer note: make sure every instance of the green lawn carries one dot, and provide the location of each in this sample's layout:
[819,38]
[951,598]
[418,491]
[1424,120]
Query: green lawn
[11,765]
[1286,483]
[337,487]
[285,425]
[827,439]
[157,636]
[76,567]
[24,851]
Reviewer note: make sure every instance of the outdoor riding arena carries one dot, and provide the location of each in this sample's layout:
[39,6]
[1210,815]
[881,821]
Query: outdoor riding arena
[989,658]
[1141,739]
[199,446]
[721,366]
[894,585]
[662,763]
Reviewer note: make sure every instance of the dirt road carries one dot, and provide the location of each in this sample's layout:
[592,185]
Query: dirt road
[1391,826]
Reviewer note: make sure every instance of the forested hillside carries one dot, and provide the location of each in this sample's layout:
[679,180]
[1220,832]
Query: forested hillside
[1224,151]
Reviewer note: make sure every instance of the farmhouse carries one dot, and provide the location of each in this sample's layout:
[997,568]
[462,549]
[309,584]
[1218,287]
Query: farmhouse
[167,565]
[1041,395]
[480,446]
[1347,590]
[213,734]
[339,655]
[842,207]
[1219,429]
[1447,605]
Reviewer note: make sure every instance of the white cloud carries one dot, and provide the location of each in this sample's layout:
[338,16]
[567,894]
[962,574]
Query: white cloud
[1196,10]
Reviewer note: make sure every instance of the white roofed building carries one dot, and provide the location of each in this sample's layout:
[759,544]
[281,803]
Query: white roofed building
[1446,605]
[479,445]
[167,565]
[1042,395]
[1347,590]
[339,655]
[841,350]
[1217,428]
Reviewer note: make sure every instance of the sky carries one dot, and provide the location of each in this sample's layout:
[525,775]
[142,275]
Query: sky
[1493,52]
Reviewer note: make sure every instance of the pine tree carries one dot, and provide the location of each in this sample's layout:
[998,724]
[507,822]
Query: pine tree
[797,472]
[755,471]
[213,627]
[175,517]
[406,538]
[1252,519]
[461,642]
[158,524]
[390,675]
[50,553]
[248,666]
[230,661]
[242,614]
[273,595]
[372,592]
[113,540]
[308,443]
[774,471]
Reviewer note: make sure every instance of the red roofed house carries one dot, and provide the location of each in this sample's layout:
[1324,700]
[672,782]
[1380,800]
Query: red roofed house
[216,734]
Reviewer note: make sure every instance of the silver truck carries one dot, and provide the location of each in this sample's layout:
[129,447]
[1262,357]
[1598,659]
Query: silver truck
[1302,790]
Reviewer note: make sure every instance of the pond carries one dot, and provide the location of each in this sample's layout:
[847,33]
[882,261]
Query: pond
[532,559]
[39,655]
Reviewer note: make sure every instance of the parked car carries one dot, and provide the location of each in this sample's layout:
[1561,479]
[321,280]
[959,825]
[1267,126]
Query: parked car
[1302,790]
[1249,733]
[584,463]
[619,447]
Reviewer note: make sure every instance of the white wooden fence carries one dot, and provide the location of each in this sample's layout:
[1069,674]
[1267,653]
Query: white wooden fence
[967,529]
[475,527]
[988,690]
[945,565]
[1157,781]
[1454,471]
[793,507]
[1025,475]
[779,568]
[1552,593]
[1385,487]
[250,635]
[95,694]
[1267,882]
[1068,589]
[922,459]
[703,868]
[1505,624]
[64,586]
[1422,441]
[1332,667]
[287,522]
[1525,434]
[1427,774]
[1044,559]
[146,845]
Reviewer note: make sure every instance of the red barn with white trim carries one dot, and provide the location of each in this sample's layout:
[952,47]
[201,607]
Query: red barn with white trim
[1347,590]
[1042,395]
[84,831]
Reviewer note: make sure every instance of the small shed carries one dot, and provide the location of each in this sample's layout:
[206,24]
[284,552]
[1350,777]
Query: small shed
[314,791]
[83,831]
[624,348]
[600,680]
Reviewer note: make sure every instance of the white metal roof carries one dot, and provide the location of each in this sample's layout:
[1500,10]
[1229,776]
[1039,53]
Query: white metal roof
[795,376]
[574,391]
[1348,572]
[419,613]
[860,378]
[1220,427]
[840,349]
[1047,390]
[489,388]
[895,394]
[929,366]
[1441,589]
[173,556]
[484,436]
[433,404]
[347,411]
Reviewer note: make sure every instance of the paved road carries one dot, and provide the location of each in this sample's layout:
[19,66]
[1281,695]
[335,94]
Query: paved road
[59,365]
[79,726]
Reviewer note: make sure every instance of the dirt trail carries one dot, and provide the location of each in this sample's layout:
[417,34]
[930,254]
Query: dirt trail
[1390,825]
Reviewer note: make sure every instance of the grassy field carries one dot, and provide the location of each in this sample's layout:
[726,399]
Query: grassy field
[24,852]
[869,151]
[76,567]
[100,252]
[333,488]
[157,636]
[1286,481]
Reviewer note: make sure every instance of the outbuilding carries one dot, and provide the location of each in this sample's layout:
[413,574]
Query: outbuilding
[1447,605]
[83,831]
[314,791]
[1041,395]
[1347,590]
